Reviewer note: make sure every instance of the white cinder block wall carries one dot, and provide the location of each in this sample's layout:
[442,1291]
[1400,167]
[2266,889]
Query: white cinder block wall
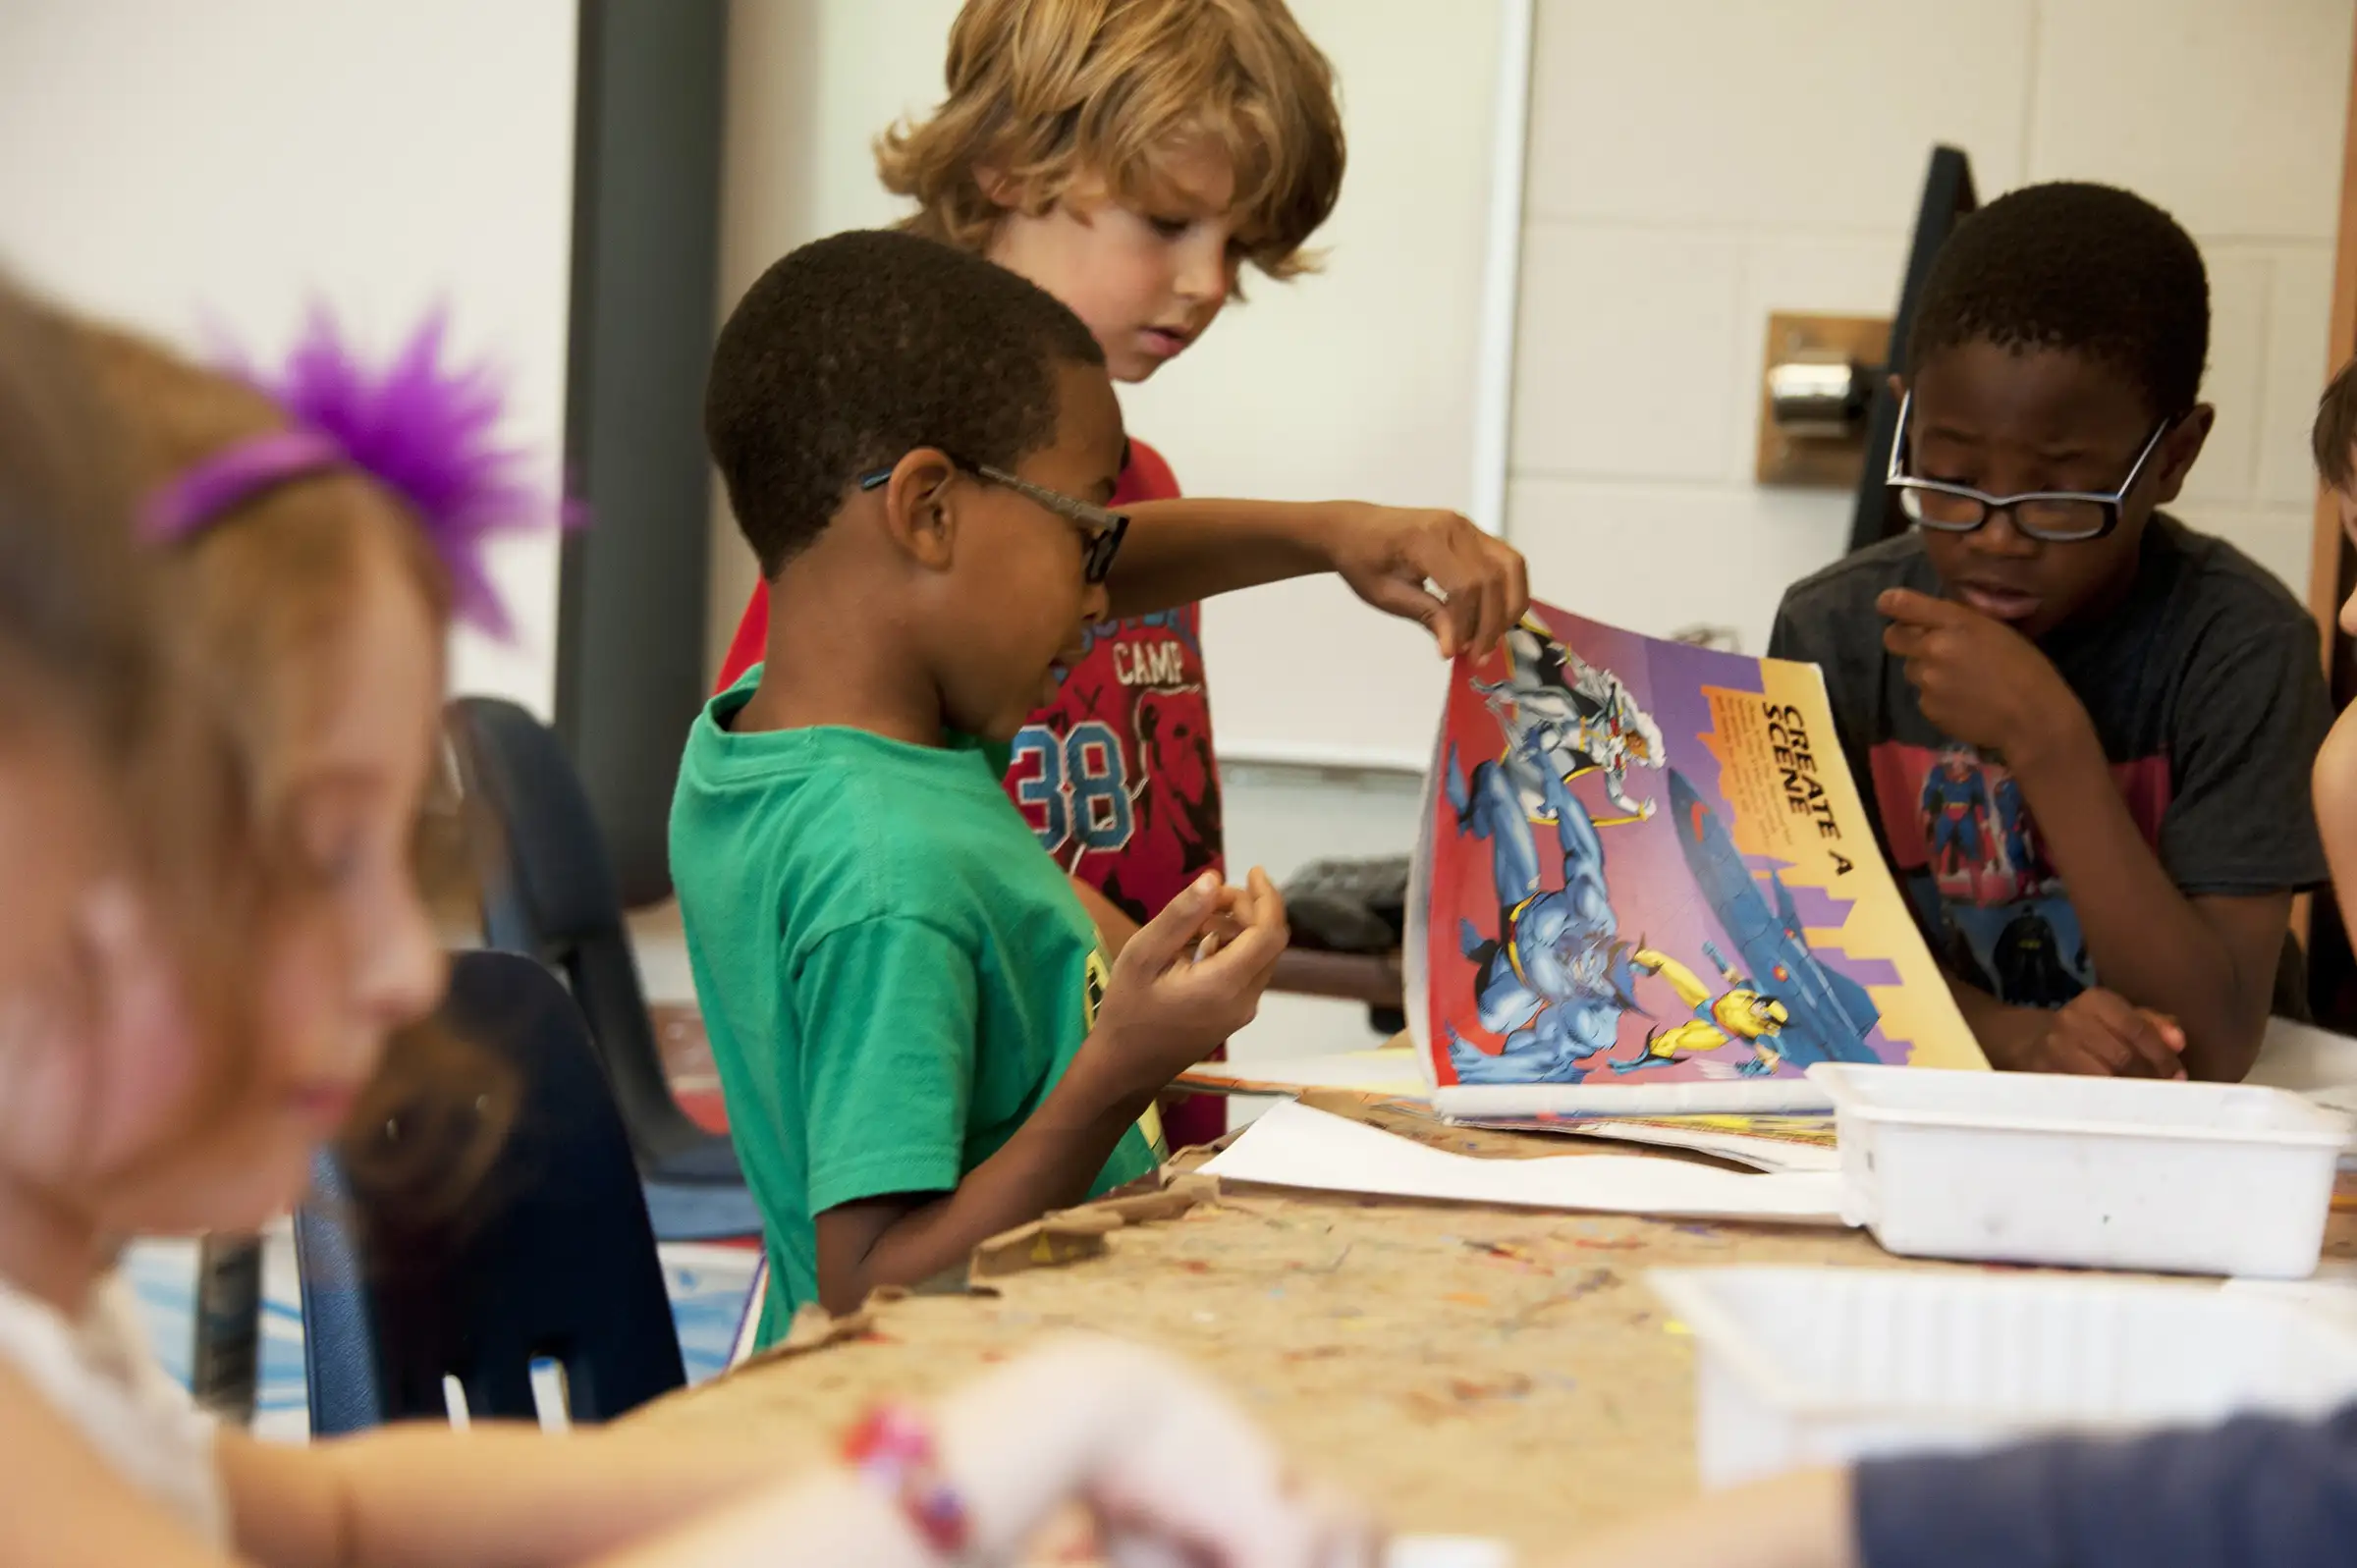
[1695,164]
[187,168]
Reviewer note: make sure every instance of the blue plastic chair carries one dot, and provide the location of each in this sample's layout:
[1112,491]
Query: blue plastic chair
[549,1259]
[550,894]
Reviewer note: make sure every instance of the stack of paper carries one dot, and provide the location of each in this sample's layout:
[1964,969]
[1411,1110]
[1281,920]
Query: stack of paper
[1293,1145]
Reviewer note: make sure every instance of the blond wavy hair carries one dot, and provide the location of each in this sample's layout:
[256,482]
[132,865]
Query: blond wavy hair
[1046,94]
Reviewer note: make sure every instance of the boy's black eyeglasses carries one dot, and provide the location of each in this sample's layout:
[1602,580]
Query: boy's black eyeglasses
[2057,516]
[1103,526]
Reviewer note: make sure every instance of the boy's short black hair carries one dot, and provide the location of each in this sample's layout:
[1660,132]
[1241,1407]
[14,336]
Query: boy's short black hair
[2086,268]
[2333,437]
[855,349]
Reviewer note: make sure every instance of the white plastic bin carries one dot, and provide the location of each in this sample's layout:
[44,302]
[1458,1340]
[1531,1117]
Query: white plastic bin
[2092,1173]
[1822,1366]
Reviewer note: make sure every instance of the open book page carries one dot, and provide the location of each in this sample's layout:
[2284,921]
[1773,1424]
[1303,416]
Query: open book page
[1646,885]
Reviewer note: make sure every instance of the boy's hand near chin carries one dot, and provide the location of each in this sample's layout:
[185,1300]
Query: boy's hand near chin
[1389,554]
[1980,680]
[1189,979]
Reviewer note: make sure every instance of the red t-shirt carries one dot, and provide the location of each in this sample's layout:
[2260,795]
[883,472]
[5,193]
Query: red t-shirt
[1117,776]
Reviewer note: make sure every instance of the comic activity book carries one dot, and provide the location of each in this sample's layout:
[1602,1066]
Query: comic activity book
[1645,885]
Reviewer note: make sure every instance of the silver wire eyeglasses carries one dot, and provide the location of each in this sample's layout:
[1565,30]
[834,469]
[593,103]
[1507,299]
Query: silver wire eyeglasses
[2057,516]
[1102,526]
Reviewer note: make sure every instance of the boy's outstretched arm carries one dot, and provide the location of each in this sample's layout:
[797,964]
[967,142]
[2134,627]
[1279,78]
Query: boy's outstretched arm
[1184,550]
[1081,1420]
[1169,1467]
[421,1495]
[1163,1013]
[2208,962]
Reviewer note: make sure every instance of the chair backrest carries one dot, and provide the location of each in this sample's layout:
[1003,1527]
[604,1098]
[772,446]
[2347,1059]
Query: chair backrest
[550,1259]
[549,892]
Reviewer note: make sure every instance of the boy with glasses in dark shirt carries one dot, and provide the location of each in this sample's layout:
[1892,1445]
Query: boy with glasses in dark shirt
[2254,1490]
[2084,730]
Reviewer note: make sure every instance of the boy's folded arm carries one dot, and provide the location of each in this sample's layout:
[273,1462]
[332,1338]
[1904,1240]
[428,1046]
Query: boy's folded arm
[2004,1031]
[2240,833]
[1972,1002]
[2208,962]
[907,1239]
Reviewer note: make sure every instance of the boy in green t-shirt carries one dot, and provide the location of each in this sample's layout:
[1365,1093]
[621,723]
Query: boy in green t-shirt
[918,1039]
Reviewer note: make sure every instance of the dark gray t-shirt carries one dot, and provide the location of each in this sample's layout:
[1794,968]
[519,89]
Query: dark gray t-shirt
[2206,689]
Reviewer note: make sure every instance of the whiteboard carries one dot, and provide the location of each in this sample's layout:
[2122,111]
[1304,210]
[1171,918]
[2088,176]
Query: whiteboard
[185,168]
[1374,379]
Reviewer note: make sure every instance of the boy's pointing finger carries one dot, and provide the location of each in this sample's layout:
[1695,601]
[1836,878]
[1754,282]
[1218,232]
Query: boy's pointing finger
[1920,609]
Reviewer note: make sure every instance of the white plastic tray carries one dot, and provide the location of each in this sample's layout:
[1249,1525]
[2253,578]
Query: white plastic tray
[1820,1366]
[2092,1173]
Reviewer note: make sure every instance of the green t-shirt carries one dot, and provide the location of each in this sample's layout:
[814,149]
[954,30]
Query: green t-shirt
[891,974]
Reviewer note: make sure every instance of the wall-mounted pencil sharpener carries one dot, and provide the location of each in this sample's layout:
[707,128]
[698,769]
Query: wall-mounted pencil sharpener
[1816,395]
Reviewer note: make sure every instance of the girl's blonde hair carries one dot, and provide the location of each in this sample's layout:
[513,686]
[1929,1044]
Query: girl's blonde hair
[1045,93]
[86,644]
[77,608]
[257,599]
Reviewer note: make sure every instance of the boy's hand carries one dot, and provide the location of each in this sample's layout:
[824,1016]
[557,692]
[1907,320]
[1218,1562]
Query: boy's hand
[1978,680]
[1191,977]
[1387,554]
[2096,1034]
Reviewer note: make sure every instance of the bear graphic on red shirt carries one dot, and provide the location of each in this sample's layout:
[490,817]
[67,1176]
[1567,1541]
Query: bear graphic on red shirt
[1175,801]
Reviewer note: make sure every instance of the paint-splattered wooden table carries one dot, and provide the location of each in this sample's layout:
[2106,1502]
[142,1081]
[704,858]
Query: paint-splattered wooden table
[1473,1371]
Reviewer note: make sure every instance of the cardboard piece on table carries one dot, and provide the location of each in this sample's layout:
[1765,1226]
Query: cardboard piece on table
[1393,1069]
[814,1329]
[1763,1143]
[1049,1243]
[1075,1235]
[1071,1235]
[1295,1146]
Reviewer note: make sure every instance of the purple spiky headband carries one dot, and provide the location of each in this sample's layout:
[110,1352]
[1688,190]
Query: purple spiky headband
[426,433]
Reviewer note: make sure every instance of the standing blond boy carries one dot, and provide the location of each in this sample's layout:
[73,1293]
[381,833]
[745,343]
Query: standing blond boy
[1131,157]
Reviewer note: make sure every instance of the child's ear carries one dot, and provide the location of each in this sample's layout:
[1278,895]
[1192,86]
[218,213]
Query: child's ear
[921,513]
[2178,448]
[998,186]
